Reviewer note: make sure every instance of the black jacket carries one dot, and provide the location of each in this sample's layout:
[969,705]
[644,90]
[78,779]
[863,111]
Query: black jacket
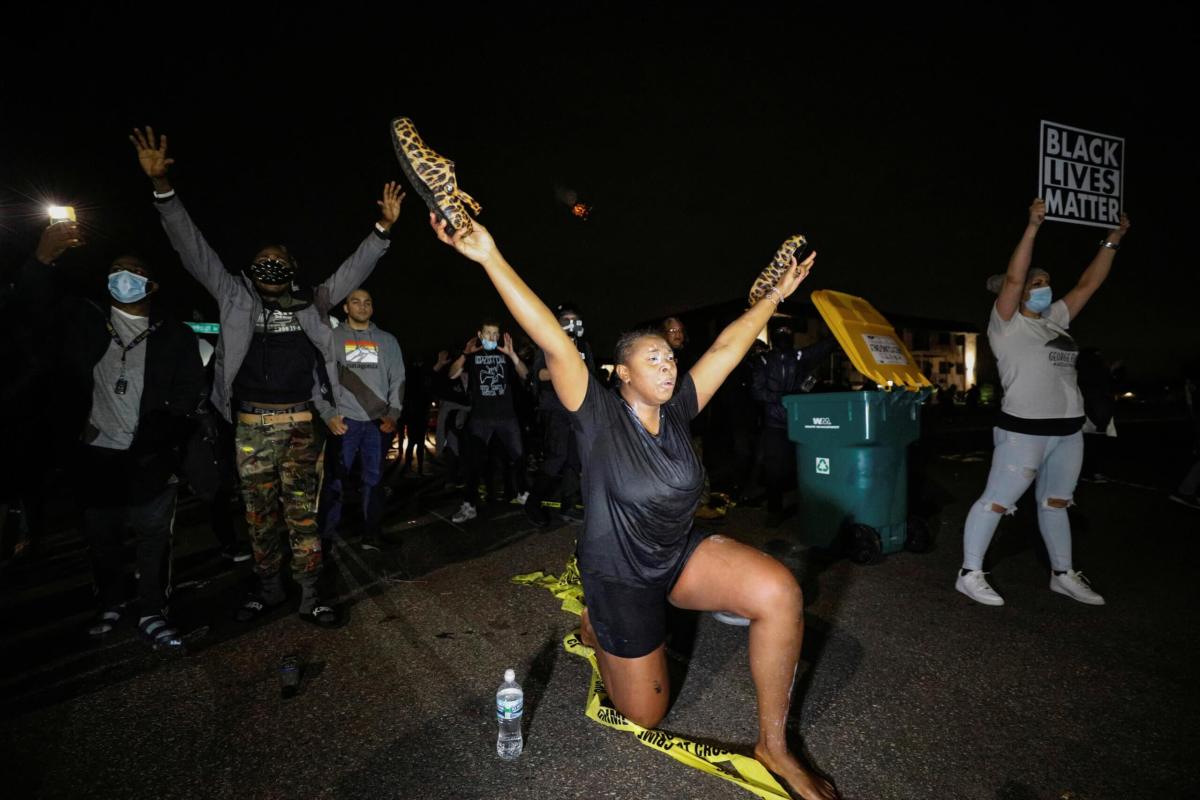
[173,383]
[782,372]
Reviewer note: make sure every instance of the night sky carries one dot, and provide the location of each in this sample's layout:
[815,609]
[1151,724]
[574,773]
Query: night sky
[906,149]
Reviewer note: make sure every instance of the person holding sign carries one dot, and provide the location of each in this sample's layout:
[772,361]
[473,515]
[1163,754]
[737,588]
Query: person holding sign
[1038,436]
[642,483]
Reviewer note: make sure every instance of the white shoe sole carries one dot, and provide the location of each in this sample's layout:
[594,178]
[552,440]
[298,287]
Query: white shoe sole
[983,601]
[729,618]
[1099,601]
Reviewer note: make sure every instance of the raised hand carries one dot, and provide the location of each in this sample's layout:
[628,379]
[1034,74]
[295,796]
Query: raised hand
[472,345]
[1118,233]
[389,205]
[507,347]
[477,245]
[1037,212]
[790,281]
[56,239]
[443,358]
[152,154]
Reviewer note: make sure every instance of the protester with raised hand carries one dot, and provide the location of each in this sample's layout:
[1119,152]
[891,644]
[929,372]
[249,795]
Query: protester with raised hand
[1038,433]
[274,355]
[642,482]
[495,373]
[130,383]
[30,375]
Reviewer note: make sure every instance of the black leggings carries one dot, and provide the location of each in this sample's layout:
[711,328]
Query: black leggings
[415,430]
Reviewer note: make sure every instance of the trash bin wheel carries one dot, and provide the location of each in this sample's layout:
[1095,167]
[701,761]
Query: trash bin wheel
[865,545]
[919,538]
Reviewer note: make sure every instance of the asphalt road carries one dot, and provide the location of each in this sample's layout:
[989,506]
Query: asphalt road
[908,689]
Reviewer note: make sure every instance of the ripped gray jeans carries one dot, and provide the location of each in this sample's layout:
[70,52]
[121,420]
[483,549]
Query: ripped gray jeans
[1019,460]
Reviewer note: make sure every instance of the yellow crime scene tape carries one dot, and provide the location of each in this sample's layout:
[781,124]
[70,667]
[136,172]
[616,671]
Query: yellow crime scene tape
[733,767]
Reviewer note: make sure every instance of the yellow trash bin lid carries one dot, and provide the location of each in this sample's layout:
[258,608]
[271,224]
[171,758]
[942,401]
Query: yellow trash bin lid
[869,340]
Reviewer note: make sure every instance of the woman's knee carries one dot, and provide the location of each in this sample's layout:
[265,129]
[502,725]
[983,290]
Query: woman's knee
[777,592]
[647,717]
[645,704]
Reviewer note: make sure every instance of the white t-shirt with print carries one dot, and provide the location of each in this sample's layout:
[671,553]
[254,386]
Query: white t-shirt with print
[1036,357]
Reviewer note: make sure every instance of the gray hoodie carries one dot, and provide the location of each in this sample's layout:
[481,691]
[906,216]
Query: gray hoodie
[370,380]
[239,304]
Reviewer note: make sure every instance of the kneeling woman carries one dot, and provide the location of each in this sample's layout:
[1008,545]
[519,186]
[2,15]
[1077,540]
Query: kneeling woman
[642,483]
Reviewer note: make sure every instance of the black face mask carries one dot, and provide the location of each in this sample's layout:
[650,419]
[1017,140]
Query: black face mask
[782,339]
[271,270]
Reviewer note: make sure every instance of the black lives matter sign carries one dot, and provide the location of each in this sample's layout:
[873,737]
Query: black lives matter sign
[1080,175]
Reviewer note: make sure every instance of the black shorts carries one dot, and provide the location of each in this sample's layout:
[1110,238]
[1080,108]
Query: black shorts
[630,618]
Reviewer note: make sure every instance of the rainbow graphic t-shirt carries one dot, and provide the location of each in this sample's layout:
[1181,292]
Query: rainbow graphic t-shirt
[362,353]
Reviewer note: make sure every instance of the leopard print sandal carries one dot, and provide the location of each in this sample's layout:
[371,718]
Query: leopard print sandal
[779,265]
[432,176]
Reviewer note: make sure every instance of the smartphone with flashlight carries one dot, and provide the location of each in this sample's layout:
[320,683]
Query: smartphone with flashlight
[61,214]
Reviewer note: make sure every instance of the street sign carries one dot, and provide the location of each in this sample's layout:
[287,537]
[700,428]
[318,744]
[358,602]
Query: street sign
[205,327]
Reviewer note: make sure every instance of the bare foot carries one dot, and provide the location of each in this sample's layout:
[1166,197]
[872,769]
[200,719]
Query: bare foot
[586,632]
[798,778]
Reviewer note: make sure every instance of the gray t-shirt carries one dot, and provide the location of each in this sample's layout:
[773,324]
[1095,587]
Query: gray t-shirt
[1036,358]
[114,417]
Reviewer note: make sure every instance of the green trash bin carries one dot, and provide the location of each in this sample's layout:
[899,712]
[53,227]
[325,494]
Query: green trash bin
[852,469]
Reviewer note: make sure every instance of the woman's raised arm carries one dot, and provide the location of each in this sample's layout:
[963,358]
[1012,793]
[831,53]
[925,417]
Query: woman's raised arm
[732,345]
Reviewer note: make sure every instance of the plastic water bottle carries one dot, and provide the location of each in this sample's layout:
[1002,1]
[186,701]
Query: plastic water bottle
[289,677]
[510,703]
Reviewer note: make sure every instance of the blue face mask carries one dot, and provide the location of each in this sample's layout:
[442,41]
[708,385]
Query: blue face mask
[127,287]
[1039,299]
[488,344]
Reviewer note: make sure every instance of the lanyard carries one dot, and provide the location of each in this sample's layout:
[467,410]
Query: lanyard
[125,348]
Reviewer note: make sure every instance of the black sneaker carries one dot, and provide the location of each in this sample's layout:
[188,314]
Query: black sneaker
[256,605]
[370,543]
[537,515]
[572,514]
[322,615]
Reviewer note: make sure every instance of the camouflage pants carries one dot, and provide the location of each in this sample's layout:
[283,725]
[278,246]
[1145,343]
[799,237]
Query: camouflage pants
[278,468]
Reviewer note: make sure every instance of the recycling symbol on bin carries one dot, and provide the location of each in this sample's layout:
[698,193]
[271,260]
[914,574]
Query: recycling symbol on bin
[822,466]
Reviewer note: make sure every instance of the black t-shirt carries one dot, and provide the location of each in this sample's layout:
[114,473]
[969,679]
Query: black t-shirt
[640,491]
[278,367]
[492,383]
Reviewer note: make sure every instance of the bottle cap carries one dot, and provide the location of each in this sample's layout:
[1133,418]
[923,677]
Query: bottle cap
[509,676]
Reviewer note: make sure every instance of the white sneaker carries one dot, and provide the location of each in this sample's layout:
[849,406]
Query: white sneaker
[465,512]
[521,498]
[1075,586]
[975,586]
